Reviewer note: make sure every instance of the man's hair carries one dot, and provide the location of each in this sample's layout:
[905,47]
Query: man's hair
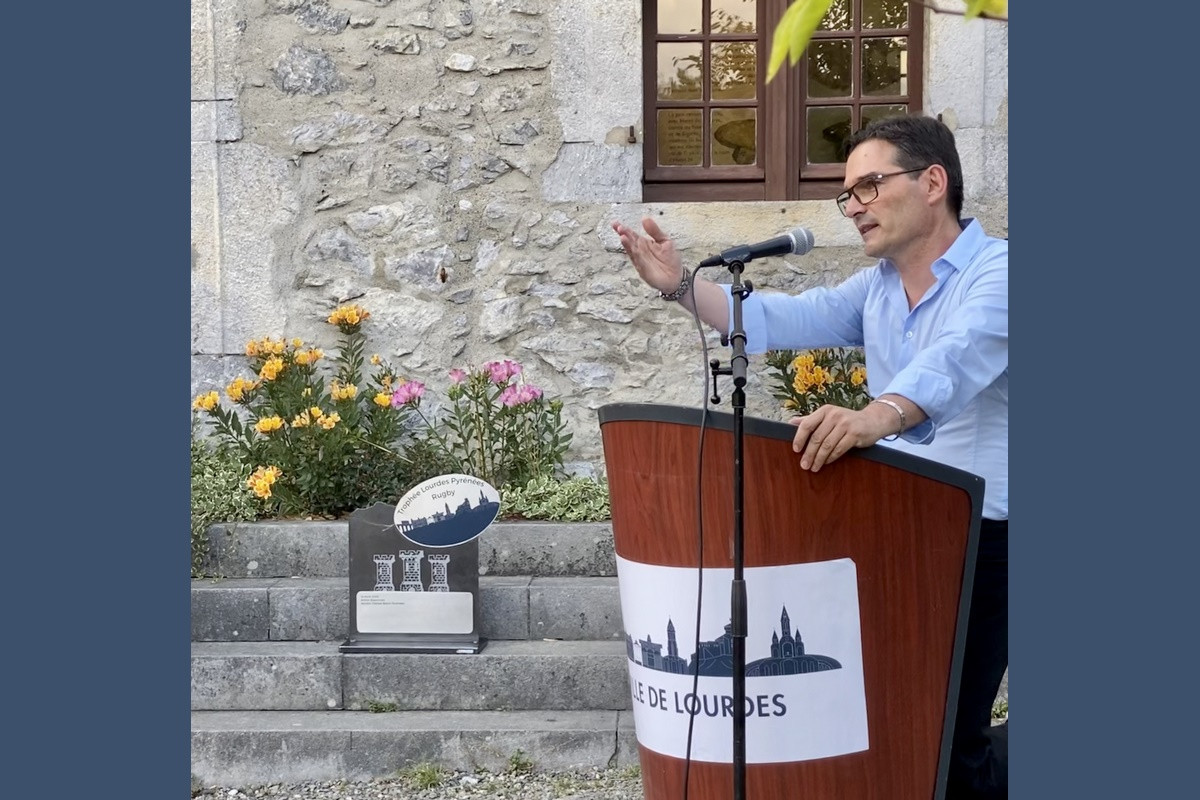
[921,141]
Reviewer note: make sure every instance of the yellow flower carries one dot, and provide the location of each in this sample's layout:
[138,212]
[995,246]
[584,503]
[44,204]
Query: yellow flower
[268,424]
[858,376]
[316,412]
[349,318]
[265,347]
[329,420]
[309,356]
[262,478]
[236,391]
[820,378]
[207,401]
[383,399]
[804,361]
[271,368]
[301,420]
[376,360]
[297,344]
[342,392]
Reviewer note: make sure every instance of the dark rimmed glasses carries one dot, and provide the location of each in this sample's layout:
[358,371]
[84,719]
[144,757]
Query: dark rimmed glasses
[867,190]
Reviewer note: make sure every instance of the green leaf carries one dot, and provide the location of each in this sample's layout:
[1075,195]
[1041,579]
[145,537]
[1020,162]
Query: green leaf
[991,8]
[794,31]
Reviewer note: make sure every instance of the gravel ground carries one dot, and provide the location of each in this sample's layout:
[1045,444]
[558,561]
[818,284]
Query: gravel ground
[429,784]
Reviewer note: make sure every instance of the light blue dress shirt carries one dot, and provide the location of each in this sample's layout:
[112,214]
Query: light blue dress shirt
[949,354]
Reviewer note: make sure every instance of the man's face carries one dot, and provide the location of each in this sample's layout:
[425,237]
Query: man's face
[897,215]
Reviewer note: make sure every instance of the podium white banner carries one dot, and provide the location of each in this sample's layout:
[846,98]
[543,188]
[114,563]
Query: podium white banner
[805,696]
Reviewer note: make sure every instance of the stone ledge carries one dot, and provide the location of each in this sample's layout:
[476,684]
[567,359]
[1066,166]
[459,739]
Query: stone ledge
[314,676]
[239,748]
[285,549]
[317,609]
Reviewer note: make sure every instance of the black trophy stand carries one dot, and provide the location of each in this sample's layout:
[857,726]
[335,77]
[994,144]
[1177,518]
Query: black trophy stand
[737,598]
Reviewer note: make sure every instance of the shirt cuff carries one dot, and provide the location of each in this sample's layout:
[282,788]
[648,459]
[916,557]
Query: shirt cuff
[921,433]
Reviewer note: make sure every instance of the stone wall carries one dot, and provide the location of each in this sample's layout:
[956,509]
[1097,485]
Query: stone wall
[453,166]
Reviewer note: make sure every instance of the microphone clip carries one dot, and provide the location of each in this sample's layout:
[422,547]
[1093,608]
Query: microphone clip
[716,369]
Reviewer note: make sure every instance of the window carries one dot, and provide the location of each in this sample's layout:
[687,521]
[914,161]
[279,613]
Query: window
[716,131]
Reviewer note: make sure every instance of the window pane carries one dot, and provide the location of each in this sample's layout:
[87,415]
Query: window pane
[734,136]
[734,66]
[679,71]
[837,18]
[679,16]
[827,129]
[829,62]
[885,13]
[885,66]
[679,137]
[872,113]
[732,16]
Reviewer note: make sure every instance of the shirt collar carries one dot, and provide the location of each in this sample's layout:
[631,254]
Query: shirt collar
[967,245]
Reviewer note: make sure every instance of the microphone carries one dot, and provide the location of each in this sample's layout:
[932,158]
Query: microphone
[797,242]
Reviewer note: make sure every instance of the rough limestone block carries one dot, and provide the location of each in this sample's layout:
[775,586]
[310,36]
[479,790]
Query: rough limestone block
[230,611]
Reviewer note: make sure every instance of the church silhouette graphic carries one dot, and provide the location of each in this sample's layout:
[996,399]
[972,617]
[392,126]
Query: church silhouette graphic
[450,527]
[715,658]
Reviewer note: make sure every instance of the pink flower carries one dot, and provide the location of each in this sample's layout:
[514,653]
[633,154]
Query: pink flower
[408,393]
[519,395]
[458,375]
[501,371]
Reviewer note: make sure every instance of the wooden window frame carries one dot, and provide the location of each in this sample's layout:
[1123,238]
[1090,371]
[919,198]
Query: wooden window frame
[781,172]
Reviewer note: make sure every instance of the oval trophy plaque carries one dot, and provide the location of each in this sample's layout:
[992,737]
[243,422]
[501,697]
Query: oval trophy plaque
[447,510]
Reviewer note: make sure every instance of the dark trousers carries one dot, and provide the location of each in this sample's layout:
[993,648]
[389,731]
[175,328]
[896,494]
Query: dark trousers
[979,756]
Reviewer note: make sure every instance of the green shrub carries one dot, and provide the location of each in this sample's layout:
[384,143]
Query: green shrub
[381,707]
[323,435]
[218,495]
[805,380]
[423,776]
[547,498]
[520,763]
[494,426]
[320,442]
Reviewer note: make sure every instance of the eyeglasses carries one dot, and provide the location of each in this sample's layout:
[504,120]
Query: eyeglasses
[867,190]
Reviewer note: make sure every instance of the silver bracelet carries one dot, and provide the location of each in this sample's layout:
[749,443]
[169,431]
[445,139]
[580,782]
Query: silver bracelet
[900,411]
[684,284]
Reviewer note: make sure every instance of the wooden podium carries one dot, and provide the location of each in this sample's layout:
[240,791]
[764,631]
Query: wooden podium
[909,526]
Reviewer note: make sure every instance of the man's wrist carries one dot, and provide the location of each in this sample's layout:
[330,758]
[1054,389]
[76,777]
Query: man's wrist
[899,412]
[685,285]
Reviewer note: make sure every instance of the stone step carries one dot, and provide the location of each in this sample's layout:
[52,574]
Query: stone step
[504,676]
[285,549]
[248,748]
[318,609]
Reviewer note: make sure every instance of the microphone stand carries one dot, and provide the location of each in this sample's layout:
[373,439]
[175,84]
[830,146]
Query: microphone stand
[737,598]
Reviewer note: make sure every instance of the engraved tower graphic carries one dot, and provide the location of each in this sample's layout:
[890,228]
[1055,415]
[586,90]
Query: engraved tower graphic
[411,581]
[383,572]
[438,571]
